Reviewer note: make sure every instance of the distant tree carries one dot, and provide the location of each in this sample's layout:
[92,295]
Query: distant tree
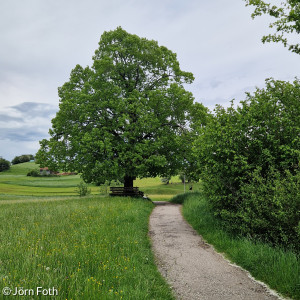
[4,164]
[22,158]
[123,117]
[287,21]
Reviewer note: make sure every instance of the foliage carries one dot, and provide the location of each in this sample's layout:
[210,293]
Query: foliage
[4,164]
[22,158]
[200,116]
[275,266]
[271,208]
[104,188]
[287,21]
[82,189]
[125,116]
[37,173]
[34,173]
[249,163]
[185,178]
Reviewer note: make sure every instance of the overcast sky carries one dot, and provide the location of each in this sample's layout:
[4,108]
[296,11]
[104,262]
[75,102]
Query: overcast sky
[41,41]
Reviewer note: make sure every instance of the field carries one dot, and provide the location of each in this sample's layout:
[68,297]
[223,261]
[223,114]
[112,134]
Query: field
[93,247]
[15,185]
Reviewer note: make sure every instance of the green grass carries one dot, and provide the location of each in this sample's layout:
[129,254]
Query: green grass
[278,268]
[15,182]
[95,247]
[21,169]
[89,248]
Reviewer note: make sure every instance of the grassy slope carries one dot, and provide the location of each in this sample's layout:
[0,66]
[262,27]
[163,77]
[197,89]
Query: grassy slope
[88,248]
[278,268]
[15,182]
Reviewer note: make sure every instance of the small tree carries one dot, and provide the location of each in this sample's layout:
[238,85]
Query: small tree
[82,189]
[123,117]
[4,164]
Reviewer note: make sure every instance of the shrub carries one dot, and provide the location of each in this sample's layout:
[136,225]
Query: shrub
[34,173]
[249,162]
[82,189]
[4,164]
[270,209]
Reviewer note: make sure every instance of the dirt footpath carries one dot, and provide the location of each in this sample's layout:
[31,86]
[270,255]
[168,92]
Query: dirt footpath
[192,267]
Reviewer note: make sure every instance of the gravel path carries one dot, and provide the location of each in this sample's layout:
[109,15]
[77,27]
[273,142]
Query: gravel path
[192,267]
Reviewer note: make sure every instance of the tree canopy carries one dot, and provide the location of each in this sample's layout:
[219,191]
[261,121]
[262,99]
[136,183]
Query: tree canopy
[123,117]
[287,21]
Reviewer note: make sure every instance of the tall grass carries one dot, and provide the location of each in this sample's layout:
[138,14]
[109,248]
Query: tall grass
[88,248]
[278,268]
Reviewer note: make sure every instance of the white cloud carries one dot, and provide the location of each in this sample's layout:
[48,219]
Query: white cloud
[41,41]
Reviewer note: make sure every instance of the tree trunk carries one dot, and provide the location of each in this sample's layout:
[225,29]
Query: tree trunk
[128,181]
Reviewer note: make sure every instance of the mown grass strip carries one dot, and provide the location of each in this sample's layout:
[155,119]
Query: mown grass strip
[278,268]
[88,248]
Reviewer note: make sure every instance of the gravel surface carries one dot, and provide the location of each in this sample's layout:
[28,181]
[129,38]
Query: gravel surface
[192,267]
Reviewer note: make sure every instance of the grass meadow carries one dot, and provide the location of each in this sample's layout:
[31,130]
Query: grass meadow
[278,268]
[88,248]
[93,247]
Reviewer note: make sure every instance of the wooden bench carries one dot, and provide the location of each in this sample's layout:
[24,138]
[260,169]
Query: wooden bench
[126,191]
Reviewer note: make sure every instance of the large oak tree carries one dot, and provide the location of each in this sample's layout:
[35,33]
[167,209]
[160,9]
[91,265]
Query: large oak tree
[125,116]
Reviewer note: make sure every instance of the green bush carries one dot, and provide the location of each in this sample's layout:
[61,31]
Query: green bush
[185,178]
[4,164]
[270,209]
[82,189]
[249,163]
[34,173]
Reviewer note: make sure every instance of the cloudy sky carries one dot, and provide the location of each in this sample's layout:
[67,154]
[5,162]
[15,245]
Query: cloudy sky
[41,41]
